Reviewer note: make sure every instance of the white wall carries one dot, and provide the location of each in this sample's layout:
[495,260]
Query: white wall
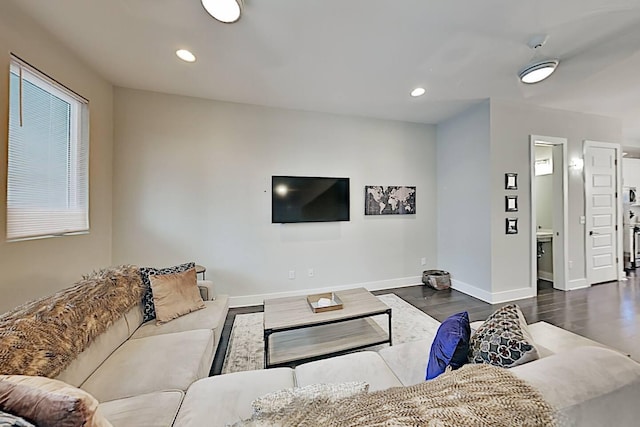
[511,125]
[631,173]
[464,195]
[475,150]
[37,268]
[192,182]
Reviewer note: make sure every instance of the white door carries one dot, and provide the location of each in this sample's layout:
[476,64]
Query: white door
[560,243]
[600,164]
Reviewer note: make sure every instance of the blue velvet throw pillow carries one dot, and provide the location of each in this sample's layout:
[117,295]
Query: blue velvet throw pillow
[450,346]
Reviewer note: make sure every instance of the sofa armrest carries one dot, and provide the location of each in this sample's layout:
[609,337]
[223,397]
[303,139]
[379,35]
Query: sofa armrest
[206,290]
[591,386]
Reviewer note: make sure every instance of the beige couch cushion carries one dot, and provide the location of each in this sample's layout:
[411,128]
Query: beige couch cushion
[145,365]
[147,410]
[408,361]
[557,340]
[211,317]
[88,361]
[365,366]
[134,318]
[223,399]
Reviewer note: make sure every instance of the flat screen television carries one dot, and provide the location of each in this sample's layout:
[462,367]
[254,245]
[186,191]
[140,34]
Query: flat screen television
[309,199]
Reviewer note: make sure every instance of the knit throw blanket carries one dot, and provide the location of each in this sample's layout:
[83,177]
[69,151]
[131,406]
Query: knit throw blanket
[474,395]
[42,337]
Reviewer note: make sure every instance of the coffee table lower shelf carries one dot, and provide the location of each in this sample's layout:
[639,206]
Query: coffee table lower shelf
[319,341]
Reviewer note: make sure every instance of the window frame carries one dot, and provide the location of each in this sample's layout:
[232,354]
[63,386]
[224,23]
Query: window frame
[79,111]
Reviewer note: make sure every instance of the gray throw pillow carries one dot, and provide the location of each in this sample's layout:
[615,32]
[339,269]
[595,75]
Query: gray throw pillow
[503,340]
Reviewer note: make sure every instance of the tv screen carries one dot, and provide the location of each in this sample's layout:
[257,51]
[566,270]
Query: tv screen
[309,199]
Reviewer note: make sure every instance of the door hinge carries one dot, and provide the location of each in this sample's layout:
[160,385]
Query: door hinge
[616,228]
[616,260]
[615,162]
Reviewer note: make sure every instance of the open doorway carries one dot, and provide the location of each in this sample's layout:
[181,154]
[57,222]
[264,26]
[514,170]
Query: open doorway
[549,244]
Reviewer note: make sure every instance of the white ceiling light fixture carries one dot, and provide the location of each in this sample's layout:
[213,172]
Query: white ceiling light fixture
[419,91]
[227,11]
[538,71]
[185,55]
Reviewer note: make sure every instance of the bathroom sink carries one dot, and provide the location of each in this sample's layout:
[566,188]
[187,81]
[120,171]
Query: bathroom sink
[543,235]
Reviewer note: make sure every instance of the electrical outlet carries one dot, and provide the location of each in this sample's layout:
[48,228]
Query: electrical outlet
[292,274]
[570,264]
[423,261]
[311,273]
[583,220]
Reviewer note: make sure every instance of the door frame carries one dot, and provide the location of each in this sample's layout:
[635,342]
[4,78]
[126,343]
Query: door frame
[560,260]
[620,274]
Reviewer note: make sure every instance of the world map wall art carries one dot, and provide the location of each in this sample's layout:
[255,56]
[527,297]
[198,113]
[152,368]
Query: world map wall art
[390,200]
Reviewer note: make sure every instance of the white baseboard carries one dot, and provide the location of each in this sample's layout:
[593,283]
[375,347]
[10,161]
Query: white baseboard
[492,297]
[468,289]
[545,275]
[248,300]
[577,284]
[513,295]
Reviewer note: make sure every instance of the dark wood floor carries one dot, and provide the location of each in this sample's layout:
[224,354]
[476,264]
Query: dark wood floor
[608,313]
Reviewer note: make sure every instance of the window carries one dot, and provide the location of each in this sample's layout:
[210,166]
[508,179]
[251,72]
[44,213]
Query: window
[48,170]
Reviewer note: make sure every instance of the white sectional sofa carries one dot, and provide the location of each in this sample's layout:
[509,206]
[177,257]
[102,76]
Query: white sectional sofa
[139,372]
[588,383]
[149,375]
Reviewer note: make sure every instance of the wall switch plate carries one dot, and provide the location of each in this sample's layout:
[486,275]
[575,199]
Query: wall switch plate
[583,220]
[570,264]
[423,261]
[311,272]
[292,274]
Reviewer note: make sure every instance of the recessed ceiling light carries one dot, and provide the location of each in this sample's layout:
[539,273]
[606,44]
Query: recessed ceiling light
[419,91]
[624,153]
[185,55]
[227,11]
[538,71]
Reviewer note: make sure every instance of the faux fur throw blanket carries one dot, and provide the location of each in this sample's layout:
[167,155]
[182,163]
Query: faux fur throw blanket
[474,395]
[43,337]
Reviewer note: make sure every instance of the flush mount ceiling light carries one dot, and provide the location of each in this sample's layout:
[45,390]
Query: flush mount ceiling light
[227,11]
[419,91]
[538,71]
[185,55]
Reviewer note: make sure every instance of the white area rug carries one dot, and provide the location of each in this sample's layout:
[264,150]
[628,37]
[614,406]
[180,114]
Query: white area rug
[246,344]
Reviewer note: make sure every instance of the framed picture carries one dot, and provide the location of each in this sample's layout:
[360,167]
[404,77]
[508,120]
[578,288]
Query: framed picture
[510,181]
[389,200]
[511,203]
[512,226]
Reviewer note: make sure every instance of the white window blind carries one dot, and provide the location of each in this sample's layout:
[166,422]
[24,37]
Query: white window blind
[48,157]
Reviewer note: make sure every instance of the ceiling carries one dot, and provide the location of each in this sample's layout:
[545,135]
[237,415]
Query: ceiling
[363,57]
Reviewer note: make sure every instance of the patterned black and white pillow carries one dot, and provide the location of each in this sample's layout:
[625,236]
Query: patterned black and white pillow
[9,420]
[149,310]
[503,340]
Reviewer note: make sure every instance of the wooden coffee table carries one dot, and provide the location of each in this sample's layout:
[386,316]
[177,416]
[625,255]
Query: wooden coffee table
[293,333]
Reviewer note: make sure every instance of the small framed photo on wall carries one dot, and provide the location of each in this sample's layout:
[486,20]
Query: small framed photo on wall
[510,181]
[512,226]
[511,203]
